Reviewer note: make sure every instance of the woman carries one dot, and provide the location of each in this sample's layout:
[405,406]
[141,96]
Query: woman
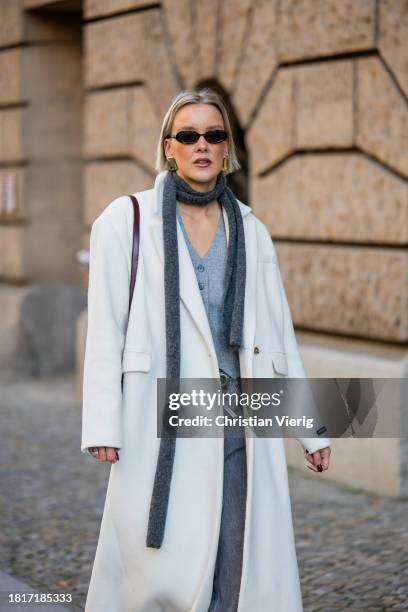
[203,524]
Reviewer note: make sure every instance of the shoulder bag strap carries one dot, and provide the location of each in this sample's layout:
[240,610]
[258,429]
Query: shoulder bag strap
[135,252]
[135,246]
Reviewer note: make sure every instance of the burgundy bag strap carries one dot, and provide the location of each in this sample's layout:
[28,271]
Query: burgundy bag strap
[135,246]
[135,252]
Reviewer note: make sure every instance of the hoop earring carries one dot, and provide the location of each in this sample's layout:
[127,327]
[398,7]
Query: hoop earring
[225,163]
[172,164]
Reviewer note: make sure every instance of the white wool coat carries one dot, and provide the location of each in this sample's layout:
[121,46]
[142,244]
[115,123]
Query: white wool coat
[126,575]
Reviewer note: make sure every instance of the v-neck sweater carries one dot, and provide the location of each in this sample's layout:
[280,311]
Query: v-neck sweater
[210,273]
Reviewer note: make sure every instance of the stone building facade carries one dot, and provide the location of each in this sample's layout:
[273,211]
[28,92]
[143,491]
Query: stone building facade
[318,93]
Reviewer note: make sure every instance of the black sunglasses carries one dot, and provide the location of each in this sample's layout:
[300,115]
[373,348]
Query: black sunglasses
[191,136]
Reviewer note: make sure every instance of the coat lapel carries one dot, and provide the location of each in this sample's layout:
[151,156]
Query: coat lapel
[189,290]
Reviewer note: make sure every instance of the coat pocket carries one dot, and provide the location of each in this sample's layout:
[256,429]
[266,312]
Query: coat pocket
[136,361]
[280,363]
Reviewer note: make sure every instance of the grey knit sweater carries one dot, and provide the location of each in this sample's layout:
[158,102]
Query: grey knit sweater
[210,273]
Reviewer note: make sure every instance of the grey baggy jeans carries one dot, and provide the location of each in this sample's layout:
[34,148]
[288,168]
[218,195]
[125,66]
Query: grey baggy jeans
[228,566]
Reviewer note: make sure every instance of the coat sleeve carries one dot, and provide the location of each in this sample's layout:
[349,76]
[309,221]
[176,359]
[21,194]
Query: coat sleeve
[108,295]
[295,364]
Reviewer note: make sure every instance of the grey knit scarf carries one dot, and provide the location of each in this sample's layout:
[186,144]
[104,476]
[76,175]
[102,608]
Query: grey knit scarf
[175,188]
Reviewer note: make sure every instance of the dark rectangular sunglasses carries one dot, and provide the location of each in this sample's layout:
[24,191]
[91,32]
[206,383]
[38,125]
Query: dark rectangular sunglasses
[191,136]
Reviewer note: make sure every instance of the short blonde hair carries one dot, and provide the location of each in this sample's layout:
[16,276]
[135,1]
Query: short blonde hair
[193,96]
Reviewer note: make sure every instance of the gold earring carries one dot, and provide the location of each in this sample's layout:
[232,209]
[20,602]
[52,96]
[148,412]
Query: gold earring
[225,164]
[172,164]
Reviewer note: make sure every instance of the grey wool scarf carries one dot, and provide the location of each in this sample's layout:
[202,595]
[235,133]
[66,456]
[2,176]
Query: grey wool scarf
[175,188]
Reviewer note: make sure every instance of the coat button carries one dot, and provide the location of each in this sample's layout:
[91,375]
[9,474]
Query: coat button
[256,350]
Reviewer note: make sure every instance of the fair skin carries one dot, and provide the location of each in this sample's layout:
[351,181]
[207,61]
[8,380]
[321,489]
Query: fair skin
[201,221]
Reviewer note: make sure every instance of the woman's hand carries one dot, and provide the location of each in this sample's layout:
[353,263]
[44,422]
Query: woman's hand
[319,460]
[104,453]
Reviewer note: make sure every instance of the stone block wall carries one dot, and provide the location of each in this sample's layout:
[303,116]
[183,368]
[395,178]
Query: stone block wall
[40,164]
[328,163]
[40,145]
[128,82]
[319,88]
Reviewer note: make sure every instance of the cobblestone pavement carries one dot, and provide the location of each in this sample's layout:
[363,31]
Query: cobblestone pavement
[352,547]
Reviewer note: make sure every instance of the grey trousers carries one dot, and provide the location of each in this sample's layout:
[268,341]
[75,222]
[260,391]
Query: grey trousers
[228,566]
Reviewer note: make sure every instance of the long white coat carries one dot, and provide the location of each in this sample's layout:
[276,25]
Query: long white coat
[127,576]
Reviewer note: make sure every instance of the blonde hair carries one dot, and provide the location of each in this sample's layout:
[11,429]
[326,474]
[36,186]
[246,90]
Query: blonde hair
[193,96]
